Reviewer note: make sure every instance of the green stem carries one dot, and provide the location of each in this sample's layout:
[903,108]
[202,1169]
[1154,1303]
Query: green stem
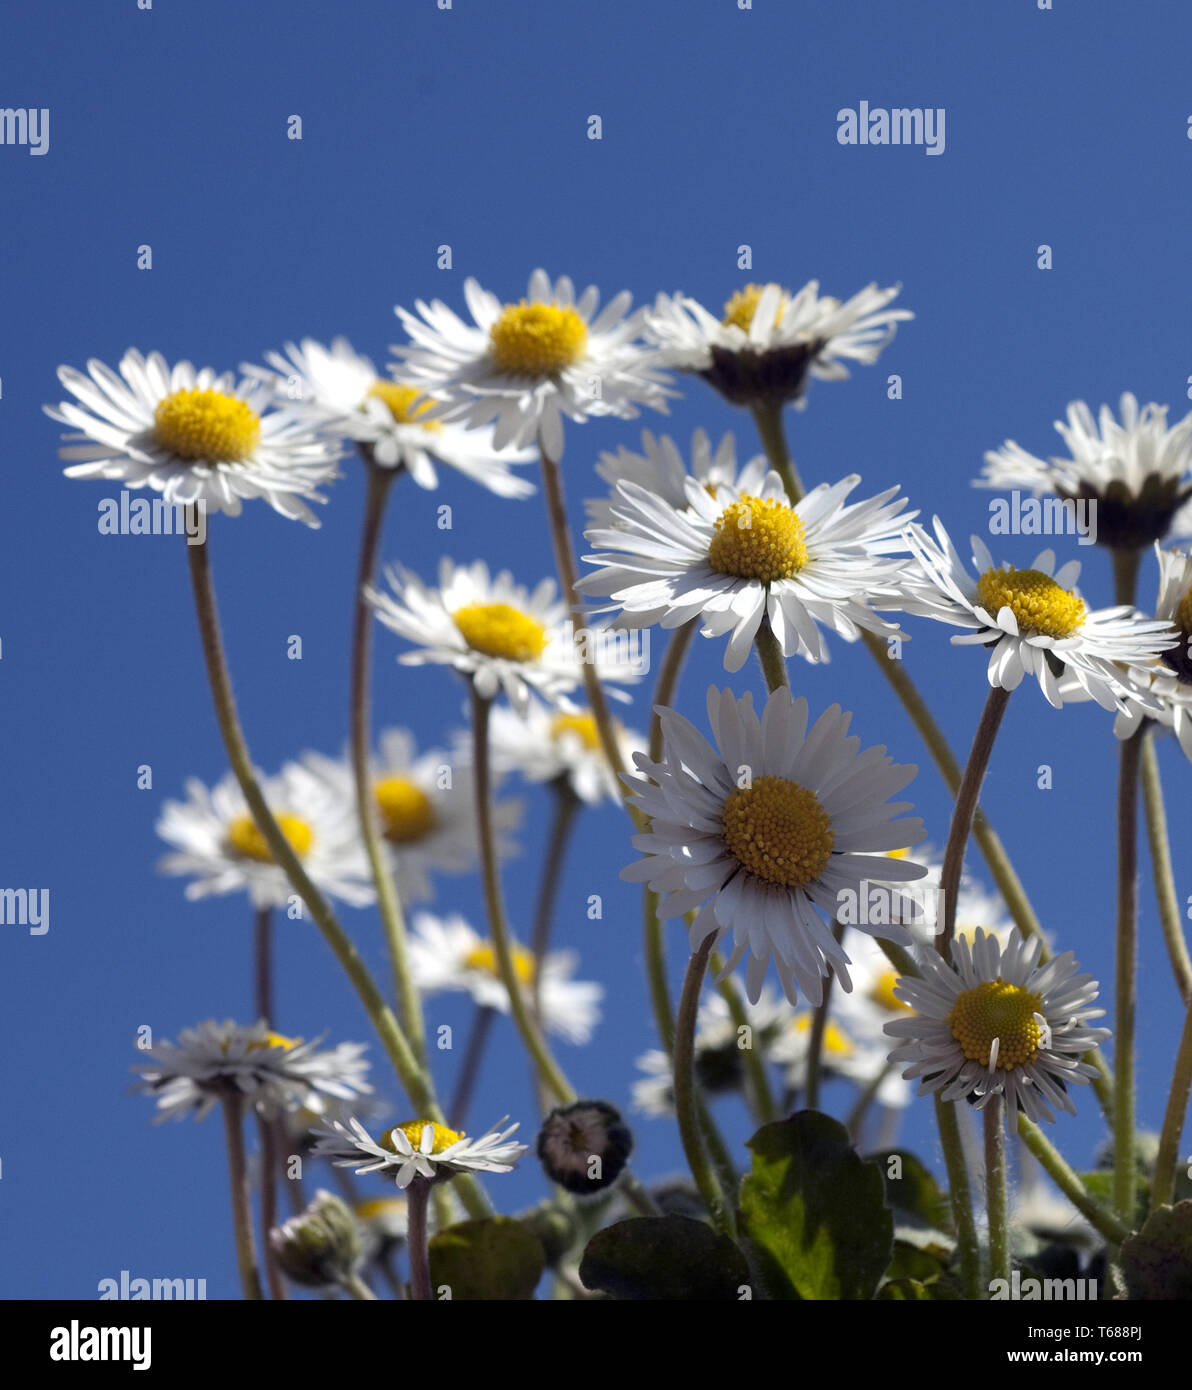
[356,1288]
[761,1098]
[1126,973]
[961,1195]
[388,901]
[856,1116]
[1160,846]
[768,419]
[1163,1183]
[415,1082]
[566,807]
[702,1171]
[769,653]
[1068,1182]
[997,1202]
[819,1025]
[246,1255]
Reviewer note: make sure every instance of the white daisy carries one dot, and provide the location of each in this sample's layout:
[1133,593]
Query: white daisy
[426,806]
[1169,680]
[446,954]
[770,342]
[340,389]
[994,1022]
[527,365]
[1034,620]
[660,469]
[419,1149]
[274,1074]
[501,635]
[544,745]
[774,823]
[217,843]
[194,436]
[735,559]
[1138,471]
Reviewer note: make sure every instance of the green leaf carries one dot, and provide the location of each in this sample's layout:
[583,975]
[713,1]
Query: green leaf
[496,1258]
[912,1192]
[1157,1260]
[664,1257]
[1100,1184]
[813,1218]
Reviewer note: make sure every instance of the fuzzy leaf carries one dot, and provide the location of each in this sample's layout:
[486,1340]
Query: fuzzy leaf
[664,1257]
[495,1258]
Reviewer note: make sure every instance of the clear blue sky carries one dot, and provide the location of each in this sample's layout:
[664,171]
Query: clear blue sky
[469,127]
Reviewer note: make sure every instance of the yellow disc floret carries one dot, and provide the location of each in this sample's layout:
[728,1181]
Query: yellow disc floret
[406,810]
[1039,605]
[778,831]
[758,540]
[496,629]
[444,1137]
[835,1042]
[742,305]
[275,1040]
[537,339]
[582,725]
[245,840]
[995,1009]
[485,958]
[406,404]
[196,424]
[882,993]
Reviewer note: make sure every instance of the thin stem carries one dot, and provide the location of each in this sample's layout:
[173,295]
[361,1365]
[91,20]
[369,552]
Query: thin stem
[965,809]
[246,1255]
[702,1171]
[481,1027]
[1126,973]
[1068,1182]
[357,1288]
[856,1116]
[414,1080]
[961,1195]
[527,1026]
[263,965]
[819,1026]
[417,1195]
[268,1145]
[1163,1183]
[388,901]
[566,807]
[755,1063]
[997,1202]
[1160,846]
[768,419]
[769,653]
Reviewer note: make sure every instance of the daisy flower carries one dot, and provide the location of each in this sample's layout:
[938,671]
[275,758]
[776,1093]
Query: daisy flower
[194,436]
[765,831]
[1034,621]
[769,342]
[546,746]
[1135,470]
[994,1022]
[527,365]
[660,469]
[427,809]
[446,954]
[339,389]
[502,636]
[420,1149]
[216,841]
[738,558]
[1169,680]
[274,1074]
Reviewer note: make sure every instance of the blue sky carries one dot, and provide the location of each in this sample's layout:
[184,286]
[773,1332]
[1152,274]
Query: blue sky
[468,127]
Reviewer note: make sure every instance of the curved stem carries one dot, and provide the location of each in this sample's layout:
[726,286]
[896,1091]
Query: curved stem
[996,1191]
[819,1025]
[417,1195]
[762,1099]
[961,1195]
[413,1079]
[1160,846]
[856,1116]
[388,902]
[566,807]
[268,1145]
[1126,974]
[481,1027]
[768,419]
[1068,1182]
[685,1094]
[965,809]
[246,1255]
[1163,1183]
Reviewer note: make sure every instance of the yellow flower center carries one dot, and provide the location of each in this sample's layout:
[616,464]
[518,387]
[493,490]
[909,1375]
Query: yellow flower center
[1183,614]
[209,425]
[444,1137]
[883,994]
[537,339]
[406,403]
[897,853]
[379,1206]
[834,1040]
[758,540]
[995,1009]
[1038,603]
[778,831]
[496,629]
[275,1040]
[245,840]
[406,810]
[485,958]
[742,305]
[582,725]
